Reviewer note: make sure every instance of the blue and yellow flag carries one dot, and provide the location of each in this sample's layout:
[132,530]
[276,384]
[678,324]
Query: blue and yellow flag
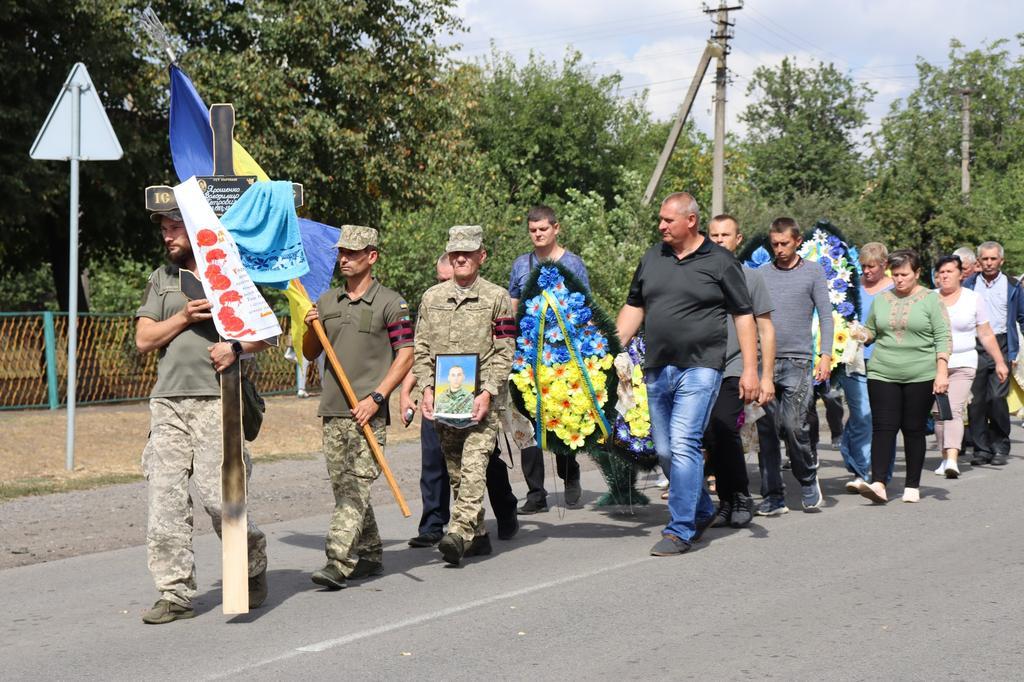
[192,153]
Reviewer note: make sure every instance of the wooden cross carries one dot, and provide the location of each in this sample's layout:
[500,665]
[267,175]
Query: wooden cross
[222,190]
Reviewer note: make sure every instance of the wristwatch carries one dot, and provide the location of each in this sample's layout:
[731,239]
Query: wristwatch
[377,398]
[237,347]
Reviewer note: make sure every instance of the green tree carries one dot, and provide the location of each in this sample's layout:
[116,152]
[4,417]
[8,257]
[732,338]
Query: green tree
[551,127]
[802,130]
[352,99]
[915,198]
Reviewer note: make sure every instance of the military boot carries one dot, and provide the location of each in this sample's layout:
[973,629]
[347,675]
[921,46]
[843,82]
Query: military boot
[452,548]
[258,589]
[366,568]
[330,577]
[165,611]
[481,546]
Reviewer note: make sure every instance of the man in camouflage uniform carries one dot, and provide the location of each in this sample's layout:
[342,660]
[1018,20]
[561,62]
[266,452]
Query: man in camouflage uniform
[185,428]
[466,314]
[455,400]
[369,328]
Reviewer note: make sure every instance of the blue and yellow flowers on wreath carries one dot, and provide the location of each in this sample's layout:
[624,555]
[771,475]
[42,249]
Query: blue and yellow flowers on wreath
[562,368]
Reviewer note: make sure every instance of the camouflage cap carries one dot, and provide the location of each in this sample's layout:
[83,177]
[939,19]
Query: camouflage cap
[465,238]
[173,214]
[357,237]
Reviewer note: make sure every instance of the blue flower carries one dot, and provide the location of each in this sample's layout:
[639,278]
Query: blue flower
[839,285]
[826,265]
[553,334]
[636,445]
[836,251]
[518,362]
[577,300]
[622,430]
[583,315]
[759,258]
[845,309]
[561,354]
[834,241]
[549,277]
[528,324]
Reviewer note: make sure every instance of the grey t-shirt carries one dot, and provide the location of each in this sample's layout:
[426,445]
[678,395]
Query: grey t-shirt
[761,302]
[184,368]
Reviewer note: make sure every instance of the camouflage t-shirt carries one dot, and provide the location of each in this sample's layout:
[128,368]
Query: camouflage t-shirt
[184,368]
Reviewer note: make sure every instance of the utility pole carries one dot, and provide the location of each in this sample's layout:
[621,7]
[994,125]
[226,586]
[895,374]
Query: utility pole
[721,35]
[965,143]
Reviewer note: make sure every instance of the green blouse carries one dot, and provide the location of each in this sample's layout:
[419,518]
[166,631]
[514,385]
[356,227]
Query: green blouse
[909,332]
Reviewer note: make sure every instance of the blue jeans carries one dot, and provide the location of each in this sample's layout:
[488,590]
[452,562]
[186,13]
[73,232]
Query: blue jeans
[680,403]
[855,446]
[786,418]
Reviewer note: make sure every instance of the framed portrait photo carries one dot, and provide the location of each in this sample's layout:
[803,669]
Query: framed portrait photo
[456,383]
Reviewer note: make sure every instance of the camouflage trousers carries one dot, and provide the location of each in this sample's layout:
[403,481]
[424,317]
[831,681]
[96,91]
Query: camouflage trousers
[352,468]
[185,443]
[466,454]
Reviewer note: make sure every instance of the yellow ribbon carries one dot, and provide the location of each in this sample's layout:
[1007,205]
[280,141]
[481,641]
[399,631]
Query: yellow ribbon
[591,393]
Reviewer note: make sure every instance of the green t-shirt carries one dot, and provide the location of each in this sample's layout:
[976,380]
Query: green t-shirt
[365,334]
[184,368]
[909,332]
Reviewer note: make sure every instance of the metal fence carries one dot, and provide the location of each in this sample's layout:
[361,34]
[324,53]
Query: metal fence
[34,353]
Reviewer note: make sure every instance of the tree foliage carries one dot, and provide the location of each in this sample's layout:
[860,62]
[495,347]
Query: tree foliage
[915,198]
[802,130]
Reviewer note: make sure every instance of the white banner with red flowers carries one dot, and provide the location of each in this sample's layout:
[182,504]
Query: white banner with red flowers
[239,310]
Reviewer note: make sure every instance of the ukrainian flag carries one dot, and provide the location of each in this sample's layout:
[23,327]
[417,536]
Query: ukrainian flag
[192,153]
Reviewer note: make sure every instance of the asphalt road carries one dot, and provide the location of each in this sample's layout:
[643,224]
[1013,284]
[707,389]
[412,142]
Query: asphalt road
[927,591]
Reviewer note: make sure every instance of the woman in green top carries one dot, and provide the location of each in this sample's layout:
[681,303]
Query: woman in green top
[909,326]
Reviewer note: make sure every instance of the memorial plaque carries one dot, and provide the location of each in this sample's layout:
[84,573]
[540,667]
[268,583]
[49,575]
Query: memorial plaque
[222,191]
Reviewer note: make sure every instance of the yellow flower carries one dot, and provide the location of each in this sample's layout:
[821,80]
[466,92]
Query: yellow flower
[575,440]
[638,376]
[607,361]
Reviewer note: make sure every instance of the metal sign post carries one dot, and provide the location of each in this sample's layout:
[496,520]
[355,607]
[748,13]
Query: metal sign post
[61,139]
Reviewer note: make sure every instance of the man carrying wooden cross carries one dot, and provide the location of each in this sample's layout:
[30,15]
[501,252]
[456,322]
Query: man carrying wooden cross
[185,428]
[369,328]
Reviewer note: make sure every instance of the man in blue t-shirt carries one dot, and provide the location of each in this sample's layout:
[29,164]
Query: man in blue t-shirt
[543,228]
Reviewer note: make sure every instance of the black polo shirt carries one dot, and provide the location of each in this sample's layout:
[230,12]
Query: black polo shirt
[686,301]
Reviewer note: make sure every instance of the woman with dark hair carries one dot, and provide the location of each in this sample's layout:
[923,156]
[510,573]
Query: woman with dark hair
[910,330]
[968,321]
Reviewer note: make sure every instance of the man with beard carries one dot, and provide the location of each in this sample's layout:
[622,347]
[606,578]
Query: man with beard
[185,428]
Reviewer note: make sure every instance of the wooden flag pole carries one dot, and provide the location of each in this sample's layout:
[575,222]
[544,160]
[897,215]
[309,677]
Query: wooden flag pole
[350,397]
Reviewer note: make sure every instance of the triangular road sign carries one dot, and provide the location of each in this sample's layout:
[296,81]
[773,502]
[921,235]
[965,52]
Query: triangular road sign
[97,141]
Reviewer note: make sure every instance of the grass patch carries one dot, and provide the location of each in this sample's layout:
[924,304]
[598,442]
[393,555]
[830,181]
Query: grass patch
[25,487]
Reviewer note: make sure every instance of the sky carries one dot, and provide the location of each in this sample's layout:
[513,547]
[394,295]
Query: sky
[656,44]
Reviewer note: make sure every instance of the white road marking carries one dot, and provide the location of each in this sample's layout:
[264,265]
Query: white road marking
[426,617]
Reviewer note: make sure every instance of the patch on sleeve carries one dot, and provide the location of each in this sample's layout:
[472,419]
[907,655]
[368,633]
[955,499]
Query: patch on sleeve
[505,328]
[400,332]
[403,305]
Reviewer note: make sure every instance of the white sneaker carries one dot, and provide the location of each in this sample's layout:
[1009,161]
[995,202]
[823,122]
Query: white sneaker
[855,485]
[911,495]
[662,483]
[942,468]
[952,470]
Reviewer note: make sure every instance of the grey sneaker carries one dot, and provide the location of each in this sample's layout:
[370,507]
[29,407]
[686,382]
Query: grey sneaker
[810,497]
[771,506]
[742,511]
[330,577]
[164,611]
[722,516]
[670,545]
[532,507]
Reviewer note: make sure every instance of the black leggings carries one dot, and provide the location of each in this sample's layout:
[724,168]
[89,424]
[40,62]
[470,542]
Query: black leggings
[899,407]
